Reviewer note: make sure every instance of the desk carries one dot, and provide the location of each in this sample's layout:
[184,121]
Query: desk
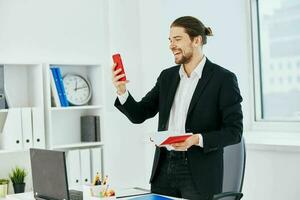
[23,196]
[29,196]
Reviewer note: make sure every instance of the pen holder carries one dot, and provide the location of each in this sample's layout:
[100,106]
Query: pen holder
[3,187]
[97,192]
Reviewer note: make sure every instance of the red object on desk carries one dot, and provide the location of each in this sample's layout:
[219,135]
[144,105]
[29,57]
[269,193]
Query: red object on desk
[175,139]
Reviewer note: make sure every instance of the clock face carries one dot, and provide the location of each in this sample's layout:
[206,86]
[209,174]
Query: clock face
[78,89]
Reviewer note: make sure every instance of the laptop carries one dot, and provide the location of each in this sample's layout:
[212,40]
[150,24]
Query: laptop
[49,176]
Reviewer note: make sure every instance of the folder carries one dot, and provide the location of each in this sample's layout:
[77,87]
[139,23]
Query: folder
[73,169]
[53,70]
[2,88]
[85,163]
[98,129]
[90,128]
[54,93]
[3,116]
[38,127]
[11,137]
[62,87]
[26,127]
[96,155]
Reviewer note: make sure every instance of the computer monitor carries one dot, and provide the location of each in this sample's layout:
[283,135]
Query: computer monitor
[49,175]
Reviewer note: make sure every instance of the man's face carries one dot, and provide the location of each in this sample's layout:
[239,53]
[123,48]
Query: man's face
[181,45]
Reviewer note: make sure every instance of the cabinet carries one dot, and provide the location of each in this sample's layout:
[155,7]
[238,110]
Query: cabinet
[63,123]
[32,121]
[63,129]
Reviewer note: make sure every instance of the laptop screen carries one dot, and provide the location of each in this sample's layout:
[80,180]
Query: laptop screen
[49,175]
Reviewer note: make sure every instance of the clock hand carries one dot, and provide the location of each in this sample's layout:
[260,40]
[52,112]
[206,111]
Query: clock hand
[82,87]
[76,85]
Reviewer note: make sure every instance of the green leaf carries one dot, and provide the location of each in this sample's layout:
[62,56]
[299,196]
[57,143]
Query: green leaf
[17,175]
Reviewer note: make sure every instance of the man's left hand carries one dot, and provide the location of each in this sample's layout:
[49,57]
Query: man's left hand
[183,146]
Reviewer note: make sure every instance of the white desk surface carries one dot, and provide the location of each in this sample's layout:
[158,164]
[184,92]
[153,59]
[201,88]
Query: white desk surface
[29,196]
[23,196]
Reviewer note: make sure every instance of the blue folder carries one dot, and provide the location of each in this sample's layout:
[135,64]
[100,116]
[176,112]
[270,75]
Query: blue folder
[62,87]
[151,197]
[58,88]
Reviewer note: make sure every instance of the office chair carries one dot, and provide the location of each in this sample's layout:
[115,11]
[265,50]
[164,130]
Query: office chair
[234,169]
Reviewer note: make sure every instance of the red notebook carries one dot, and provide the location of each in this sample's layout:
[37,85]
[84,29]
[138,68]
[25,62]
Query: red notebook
[168,137]
[175,139]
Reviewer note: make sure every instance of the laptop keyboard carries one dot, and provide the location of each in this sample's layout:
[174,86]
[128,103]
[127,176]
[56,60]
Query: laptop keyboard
[75,195]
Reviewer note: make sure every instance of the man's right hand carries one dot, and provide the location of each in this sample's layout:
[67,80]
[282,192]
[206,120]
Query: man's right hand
[120,85]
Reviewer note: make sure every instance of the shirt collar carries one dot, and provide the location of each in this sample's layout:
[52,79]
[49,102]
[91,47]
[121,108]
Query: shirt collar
[197,71]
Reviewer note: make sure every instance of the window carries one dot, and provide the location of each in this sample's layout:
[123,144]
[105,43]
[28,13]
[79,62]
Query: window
[276,49]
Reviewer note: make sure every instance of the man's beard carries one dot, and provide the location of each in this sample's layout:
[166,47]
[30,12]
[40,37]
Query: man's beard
[184,58]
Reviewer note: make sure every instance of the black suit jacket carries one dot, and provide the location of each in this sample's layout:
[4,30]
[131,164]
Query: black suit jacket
[214,111]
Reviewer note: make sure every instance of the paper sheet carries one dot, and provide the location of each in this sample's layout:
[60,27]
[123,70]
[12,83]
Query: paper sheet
[159,137]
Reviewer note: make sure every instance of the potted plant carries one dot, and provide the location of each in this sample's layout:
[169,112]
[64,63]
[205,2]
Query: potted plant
[17,177]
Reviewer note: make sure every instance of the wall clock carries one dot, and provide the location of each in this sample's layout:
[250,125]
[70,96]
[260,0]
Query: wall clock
[78,89]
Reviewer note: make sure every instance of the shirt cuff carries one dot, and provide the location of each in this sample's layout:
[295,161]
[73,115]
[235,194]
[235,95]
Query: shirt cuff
[200,140]
[123,97]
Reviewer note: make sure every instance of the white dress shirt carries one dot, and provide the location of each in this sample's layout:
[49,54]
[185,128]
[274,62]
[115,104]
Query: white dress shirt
[182,100]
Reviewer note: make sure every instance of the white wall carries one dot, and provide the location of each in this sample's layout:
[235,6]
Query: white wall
[42,31]
[272,173]
[124,158]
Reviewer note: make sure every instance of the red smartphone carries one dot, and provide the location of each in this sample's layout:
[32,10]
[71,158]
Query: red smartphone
[117,59]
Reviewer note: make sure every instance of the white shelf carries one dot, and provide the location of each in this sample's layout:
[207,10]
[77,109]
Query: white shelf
[77,145]
[76,108]
[3,151]
[63,123]
[3,110]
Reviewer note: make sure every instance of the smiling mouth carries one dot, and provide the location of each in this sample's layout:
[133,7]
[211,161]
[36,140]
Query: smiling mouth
[176,53]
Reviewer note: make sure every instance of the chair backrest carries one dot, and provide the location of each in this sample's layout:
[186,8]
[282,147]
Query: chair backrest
[234,168]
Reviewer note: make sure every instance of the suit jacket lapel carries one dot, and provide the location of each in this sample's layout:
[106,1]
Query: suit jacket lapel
[171,94]
[206,75]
